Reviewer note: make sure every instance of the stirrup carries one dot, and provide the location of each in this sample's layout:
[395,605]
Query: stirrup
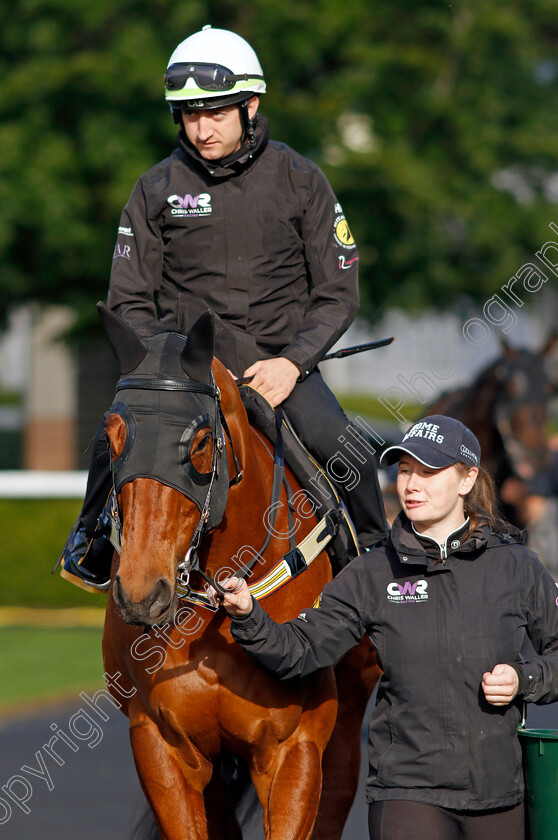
[86,561]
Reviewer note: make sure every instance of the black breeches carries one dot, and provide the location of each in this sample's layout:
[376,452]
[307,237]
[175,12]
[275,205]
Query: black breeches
[342,450]
[99,480]
[397,819]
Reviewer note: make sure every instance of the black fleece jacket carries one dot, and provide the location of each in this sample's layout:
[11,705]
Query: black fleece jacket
[437,626]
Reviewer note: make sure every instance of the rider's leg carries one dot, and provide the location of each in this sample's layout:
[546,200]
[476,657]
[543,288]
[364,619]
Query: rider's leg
[86,555]
[344,452]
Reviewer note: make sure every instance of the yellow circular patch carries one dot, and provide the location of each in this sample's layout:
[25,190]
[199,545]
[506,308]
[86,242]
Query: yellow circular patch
[343,233]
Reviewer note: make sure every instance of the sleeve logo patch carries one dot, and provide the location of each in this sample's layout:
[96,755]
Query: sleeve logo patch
[121,251]
[345,264]
[342,233]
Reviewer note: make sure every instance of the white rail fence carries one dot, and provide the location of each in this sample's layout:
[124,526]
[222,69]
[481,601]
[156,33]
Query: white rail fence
[42,484]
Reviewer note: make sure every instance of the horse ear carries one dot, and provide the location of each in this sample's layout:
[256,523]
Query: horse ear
[508,351]
[550,343]
[197,354]
[128,348]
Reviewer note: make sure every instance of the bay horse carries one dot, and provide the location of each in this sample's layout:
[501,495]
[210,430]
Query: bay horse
[193,482]
[506,407]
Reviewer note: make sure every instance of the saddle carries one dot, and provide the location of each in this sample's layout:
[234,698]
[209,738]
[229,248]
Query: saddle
[313,479]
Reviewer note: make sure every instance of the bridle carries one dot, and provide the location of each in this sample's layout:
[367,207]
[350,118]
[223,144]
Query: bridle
[505,404]
[220,433]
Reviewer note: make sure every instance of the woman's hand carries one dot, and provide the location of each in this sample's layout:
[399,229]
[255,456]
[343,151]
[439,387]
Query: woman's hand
[237,600]
[500,686]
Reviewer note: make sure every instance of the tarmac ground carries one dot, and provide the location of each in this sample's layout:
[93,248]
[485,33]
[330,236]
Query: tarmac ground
[90,791]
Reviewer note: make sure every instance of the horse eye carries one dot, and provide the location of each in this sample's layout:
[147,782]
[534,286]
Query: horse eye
[201,451]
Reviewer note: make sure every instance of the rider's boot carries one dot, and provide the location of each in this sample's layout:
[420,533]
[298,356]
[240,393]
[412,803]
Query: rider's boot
[87,555]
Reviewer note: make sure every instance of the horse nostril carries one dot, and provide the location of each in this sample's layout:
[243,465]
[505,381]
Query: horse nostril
[149,609]
[117,592]
[161,598]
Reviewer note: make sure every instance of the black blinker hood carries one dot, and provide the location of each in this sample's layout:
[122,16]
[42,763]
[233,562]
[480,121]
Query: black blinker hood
[164,400]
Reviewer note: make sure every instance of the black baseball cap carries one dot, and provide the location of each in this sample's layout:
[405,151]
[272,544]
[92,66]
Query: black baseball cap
[437,442]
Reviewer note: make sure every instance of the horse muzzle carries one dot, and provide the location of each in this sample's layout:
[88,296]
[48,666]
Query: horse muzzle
[155,608]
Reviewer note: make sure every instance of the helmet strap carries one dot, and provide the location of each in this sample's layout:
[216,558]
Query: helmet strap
[248,125]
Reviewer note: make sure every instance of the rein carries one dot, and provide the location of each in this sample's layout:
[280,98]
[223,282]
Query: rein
[191,561]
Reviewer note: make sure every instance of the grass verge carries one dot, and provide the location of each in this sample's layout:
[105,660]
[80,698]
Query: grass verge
[370,406]
[33,534]
[43,663]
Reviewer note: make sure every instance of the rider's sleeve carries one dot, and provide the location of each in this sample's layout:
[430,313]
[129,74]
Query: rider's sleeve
[137,264]
[332,264]
[538,677]
[319,637]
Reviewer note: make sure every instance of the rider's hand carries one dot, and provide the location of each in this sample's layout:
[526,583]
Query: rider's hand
[238,600]
[500,686]
[273,378]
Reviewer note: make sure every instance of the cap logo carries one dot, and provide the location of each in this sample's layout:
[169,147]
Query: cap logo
[468,454]
[426,431]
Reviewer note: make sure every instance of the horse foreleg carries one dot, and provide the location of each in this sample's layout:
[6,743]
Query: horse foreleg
[356,675]
[290,791]
[288,777]
[173,782]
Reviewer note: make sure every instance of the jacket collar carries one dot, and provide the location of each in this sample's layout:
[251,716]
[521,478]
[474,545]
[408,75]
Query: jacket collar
[415,548]
[233,164]
[441,551]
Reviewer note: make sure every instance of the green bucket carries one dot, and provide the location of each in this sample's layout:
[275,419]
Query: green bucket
[540,761]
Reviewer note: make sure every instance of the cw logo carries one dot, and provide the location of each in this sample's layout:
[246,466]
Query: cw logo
[190,205]
[419,587]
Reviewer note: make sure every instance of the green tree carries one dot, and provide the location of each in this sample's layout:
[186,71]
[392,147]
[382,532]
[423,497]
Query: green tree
[435,122]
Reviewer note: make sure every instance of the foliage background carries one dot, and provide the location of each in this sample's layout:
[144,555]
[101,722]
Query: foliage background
[436,123]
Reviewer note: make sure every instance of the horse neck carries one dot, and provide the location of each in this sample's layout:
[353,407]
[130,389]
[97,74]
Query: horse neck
[253,461]
[248,499]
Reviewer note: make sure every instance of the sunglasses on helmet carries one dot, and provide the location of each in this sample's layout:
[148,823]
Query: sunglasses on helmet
[208,77]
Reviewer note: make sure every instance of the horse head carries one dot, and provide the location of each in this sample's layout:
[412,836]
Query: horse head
[521,391]
[169,462]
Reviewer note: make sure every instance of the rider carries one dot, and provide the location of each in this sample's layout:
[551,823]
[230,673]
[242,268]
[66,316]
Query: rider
[242,225]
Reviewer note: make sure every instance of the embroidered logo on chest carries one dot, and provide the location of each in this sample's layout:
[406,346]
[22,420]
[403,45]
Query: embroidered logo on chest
[190,205]
[408,593]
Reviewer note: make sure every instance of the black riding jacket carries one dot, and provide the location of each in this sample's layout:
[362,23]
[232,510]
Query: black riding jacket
[259,238]
[436,629]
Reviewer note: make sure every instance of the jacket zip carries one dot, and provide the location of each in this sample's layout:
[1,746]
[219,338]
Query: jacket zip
[443,547]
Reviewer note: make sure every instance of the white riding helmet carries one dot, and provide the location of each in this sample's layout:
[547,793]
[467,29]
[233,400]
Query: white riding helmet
[212,68]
